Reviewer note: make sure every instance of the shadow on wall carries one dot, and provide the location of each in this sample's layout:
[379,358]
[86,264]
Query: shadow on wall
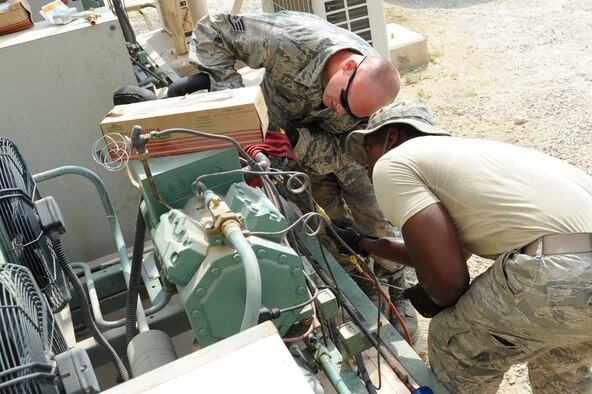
[436,3]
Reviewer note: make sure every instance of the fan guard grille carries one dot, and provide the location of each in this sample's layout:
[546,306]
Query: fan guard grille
[28,335]
[21,236]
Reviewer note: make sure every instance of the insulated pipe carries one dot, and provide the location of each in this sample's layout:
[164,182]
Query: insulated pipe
[252,274]
[90,324]
[96,307]
[94,178]
[331,371]
[119,241]
[231,230]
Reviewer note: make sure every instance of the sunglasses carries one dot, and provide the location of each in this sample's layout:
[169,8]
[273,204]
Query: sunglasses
[344,92]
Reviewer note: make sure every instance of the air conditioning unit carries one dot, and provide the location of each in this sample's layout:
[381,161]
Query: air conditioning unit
[363,17]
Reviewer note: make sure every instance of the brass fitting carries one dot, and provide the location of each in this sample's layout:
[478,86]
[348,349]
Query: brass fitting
[222,217]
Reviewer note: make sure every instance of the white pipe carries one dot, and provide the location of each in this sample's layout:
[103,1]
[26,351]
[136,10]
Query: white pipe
[252,274]
[96,307]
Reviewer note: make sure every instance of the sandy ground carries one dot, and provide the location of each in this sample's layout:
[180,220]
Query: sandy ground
[508,70]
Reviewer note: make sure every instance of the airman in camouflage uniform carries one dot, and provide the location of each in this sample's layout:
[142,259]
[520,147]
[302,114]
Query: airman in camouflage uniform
[530,212]
[297,51]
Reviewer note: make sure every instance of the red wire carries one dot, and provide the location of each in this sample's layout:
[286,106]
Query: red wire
[391,306]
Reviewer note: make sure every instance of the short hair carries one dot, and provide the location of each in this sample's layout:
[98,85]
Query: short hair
[381,70]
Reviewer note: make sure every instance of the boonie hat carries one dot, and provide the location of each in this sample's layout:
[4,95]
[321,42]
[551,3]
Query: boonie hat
[412,112]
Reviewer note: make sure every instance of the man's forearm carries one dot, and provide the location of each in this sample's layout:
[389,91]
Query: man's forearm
[388,248]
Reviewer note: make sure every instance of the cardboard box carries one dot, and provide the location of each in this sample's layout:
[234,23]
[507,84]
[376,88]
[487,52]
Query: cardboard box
[15,15]
[237,113]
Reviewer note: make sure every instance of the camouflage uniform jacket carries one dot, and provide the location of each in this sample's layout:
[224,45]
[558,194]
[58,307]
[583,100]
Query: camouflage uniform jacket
[293,48]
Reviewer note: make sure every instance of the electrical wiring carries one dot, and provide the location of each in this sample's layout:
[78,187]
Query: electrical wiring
[274,195]
[392,308]
[302,186]
[309,330]
[379,348]
[309,301]
[315,231]
[305,218]
[363,268]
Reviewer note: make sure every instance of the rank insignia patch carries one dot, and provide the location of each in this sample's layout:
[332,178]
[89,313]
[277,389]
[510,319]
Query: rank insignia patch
[236,22]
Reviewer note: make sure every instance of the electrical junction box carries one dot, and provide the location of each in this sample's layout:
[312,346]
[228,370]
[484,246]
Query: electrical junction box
[352,339]
[327,304]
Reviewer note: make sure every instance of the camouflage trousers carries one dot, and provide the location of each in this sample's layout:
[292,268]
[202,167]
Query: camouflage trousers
[522,309]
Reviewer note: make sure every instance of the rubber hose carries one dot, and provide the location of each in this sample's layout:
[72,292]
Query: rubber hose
[189,84]
[124,22]
[364,375]
[133,288]
[83,300]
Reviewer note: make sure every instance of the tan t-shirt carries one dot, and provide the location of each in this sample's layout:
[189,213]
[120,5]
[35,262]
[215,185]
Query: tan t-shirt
[500,197]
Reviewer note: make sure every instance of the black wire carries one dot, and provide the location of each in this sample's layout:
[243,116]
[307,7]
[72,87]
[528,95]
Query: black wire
[330,270]
[364,376]
[311,203]
[84,306]
[135,277]
[323,322]
[143,67]
[404,379]
[126,26]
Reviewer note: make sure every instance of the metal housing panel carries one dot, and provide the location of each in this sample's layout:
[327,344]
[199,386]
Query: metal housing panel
[58,85]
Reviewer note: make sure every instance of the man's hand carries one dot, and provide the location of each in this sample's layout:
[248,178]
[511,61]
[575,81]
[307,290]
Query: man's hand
[350,233]
[421,301]
[290,130]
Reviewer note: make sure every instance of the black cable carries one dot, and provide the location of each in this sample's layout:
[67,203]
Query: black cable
[379,348]
[292,241]
[143,67]
[124,22]
[86,313]
[134,280]
[364,376]
[324,327]
[311,204]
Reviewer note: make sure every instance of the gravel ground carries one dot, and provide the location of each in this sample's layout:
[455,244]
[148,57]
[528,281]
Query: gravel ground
[507,70]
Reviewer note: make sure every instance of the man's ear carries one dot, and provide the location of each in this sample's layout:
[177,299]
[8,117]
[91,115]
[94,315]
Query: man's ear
[349,65]
[393,138]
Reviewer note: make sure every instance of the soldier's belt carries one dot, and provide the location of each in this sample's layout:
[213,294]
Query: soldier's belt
[560,243]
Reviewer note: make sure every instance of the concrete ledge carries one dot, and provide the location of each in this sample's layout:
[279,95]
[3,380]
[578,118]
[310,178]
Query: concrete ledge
[408,49]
